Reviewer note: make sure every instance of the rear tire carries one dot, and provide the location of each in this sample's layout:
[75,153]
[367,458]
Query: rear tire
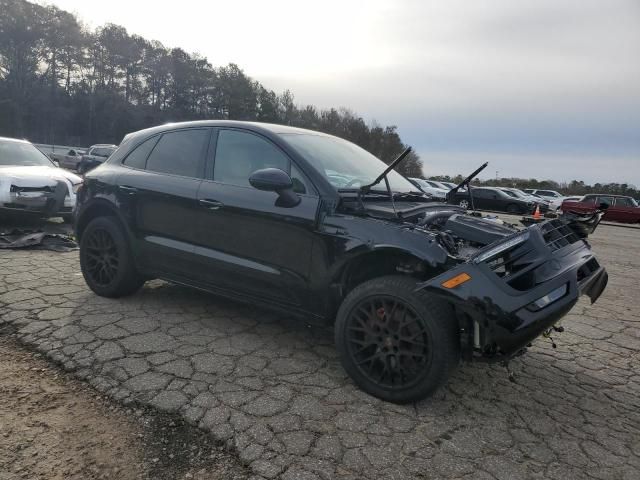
[106,261]
[397,344]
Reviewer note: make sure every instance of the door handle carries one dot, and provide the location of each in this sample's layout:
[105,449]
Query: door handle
[210,204]
[129,190]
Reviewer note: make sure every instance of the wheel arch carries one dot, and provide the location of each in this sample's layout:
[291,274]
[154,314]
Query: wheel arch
[98,208]
[380,261]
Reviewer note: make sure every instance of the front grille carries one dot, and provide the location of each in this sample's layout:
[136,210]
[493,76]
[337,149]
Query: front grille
[518,267]
[558,234]
[587,269]
[511,262]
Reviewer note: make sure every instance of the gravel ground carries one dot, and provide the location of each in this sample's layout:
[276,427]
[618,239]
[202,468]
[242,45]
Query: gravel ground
[271,388]
[55,427]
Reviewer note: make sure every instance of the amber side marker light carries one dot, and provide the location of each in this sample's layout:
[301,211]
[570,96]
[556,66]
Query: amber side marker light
[457,280]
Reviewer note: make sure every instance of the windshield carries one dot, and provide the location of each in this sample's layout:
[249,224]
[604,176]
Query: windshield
[22,154]
[344,164]
[511,194]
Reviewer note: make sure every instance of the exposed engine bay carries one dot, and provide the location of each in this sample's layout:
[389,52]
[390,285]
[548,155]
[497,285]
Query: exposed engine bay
[459,233]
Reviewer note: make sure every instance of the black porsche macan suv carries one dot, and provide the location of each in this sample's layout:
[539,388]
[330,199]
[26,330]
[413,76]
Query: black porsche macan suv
[290,218]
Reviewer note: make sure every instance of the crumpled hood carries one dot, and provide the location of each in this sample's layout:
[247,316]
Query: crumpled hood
[34,177]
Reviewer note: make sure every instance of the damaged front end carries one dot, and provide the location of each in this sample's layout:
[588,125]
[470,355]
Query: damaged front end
[53,198]
[516,287]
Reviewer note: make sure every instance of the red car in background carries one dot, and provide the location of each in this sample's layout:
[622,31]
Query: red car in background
[620,208]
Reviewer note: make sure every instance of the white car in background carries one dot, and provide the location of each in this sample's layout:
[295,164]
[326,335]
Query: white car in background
[448,186]
[427,187]
[30,183]
[544,203]
[556,198]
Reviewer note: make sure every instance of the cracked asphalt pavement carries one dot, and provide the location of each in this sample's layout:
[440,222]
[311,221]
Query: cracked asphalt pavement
[273,390]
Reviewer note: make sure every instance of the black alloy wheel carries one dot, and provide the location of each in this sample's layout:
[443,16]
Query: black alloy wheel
[102,257]
[105,259]
[397,343]
[388,341]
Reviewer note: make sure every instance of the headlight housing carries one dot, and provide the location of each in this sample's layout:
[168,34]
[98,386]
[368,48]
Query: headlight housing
[498,249]
[76,187]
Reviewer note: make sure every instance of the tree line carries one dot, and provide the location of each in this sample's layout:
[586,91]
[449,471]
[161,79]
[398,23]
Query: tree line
[575,187]
[62,83]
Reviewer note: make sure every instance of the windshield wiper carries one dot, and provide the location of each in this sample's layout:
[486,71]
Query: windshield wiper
[383,176]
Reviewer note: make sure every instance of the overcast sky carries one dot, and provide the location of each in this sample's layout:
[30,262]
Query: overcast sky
[540,88]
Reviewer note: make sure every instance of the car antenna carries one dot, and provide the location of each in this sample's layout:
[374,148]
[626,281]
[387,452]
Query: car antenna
[364,189]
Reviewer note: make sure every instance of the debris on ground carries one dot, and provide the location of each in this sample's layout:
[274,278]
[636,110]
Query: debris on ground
[37,239]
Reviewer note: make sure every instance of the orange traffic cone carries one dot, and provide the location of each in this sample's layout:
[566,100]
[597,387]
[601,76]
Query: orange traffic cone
[537,214]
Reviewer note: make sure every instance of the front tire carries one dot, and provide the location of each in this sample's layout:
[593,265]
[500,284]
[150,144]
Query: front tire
[464,204]
[396,344]
[512,208]
[106,261]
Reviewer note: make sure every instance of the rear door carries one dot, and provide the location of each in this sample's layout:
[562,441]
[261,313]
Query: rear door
[483,198]
[159,192]
[247,243]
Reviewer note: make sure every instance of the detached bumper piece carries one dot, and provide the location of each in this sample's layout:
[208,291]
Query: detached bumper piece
[45,200]
[519,288]
[36,240]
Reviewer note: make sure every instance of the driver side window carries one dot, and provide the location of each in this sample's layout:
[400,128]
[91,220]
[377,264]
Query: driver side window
[239,154]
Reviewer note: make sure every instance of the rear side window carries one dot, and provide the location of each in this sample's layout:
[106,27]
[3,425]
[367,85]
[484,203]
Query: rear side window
[138,158]
[102,151]
[180,153]
[239,154]
[624,202]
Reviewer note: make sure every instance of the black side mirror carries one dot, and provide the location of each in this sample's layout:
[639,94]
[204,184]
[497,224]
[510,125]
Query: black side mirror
[276,180]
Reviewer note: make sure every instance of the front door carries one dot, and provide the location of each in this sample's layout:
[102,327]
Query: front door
[249,245]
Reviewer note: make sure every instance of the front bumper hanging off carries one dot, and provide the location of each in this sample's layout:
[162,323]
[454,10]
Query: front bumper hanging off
[46,201]
[513,298]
